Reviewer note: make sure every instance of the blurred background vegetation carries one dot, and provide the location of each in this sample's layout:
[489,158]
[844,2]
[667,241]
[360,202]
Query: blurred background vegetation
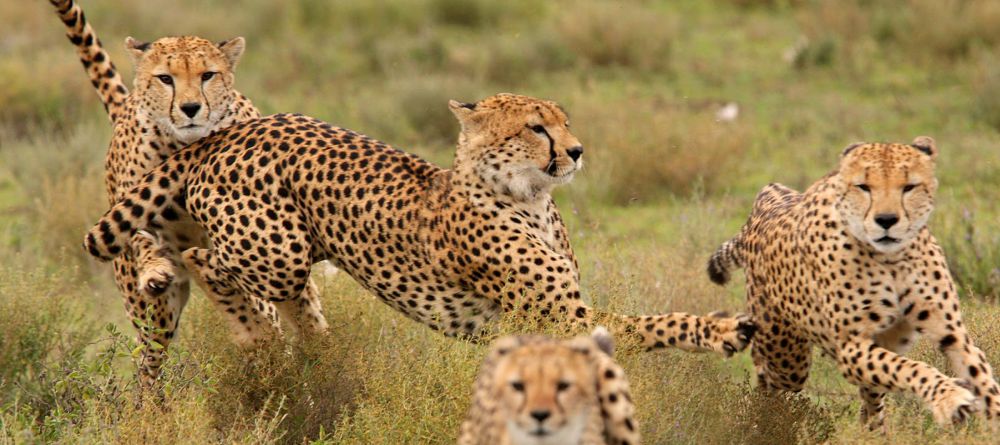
[686,108]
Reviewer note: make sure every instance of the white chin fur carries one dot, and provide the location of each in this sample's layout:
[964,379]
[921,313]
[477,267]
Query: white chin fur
[886,247]
[189,135]
[570,433]
[185,135]
[529,182]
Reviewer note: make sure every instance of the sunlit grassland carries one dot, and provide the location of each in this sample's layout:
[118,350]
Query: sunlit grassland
[664,183]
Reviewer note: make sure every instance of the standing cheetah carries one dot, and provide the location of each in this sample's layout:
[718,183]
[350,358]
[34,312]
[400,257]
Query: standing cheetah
[448,248]
[183,92]
[534,390]
[851,267]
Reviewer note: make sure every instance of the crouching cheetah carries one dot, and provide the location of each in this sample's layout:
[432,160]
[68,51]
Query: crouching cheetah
[850,266]
[447,248]
[534,390]
[183,92]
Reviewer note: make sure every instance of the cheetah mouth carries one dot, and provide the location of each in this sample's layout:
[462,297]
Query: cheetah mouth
[887,240]
[540,432]
[190,126]
[562,176]
[554,171]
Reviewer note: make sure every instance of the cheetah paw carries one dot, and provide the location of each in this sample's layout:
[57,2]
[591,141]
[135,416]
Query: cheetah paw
[954,403]
[734,333]
[156,276]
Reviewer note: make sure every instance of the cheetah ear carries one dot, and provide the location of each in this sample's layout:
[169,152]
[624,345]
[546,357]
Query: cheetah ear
[504,345]
[603,338]
[926,145]
[135,49]
[233,49]
[851,148]
[461,110]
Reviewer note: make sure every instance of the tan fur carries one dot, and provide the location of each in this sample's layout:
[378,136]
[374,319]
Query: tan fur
[850,266]
[103,75]
[534,390]
[150,124]
[448,248]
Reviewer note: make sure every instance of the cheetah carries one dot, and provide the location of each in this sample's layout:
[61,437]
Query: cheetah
[449,248]
[183,92]
[534,390]
[850,266]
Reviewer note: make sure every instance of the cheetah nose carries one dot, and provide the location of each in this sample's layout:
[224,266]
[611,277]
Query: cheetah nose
[886,220]
[191,108]
[541,414]
[575,152]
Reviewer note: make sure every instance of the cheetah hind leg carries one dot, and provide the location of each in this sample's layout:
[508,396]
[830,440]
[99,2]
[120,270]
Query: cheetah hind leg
[252,320]
[873,409]
[155,263]
[304,314]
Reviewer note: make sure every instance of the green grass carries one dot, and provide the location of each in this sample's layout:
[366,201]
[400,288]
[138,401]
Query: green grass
[663,185]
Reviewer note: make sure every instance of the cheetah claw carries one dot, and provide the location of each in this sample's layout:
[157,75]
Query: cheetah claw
[154,281]
[955,405]
[744,331]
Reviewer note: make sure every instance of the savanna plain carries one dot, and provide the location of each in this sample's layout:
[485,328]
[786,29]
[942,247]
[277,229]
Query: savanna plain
[671,169]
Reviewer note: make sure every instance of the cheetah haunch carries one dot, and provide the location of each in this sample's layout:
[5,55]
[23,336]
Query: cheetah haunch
[851,267]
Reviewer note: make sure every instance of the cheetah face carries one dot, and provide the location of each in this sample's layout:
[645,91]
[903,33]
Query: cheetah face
[185,84]
[545,393]
[521,146]
[887,192]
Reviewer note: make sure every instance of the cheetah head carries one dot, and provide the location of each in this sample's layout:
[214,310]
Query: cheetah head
[185,84]
[546,392]
[887,191]
[518,145]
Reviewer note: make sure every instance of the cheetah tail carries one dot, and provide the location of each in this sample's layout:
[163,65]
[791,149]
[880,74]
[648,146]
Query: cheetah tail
[725,258]
[158,199]
[103,75]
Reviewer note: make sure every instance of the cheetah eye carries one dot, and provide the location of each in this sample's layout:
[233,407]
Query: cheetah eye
[517,385]
[207,75]
[909,187]
[166,79]
[864,187]
[538,129]
[562,386]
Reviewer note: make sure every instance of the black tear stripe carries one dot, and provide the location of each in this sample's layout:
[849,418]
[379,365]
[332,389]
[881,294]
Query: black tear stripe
[902,196]
[173,98]
[208,104]
[550,168]
[871,201]
[552,154]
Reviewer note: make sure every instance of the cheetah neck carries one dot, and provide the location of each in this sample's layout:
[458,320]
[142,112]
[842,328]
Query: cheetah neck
[469,188]
[482,184]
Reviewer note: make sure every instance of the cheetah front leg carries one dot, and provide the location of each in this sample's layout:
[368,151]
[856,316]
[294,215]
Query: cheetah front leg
[715,332]
[941,322]
[897,338]
[155,262]
[870,366]
[155,317]
[560,300]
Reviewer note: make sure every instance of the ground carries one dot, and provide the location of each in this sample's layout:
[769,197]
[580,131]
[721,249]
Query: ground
[664,184]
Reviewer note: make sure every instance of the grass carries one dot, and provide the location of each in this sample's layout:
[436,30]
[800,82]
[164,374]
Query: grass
[664,183]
